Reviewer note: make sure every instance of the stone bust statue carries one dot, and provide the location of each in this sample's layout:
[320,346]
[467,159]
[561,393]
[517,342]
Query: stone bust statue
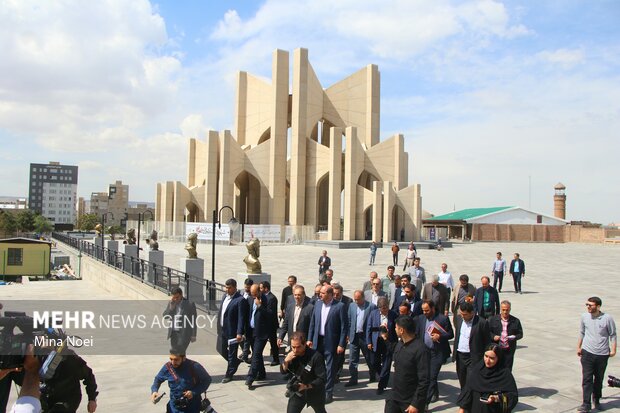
[251,261]
[131,236]
[152,241]
[98,229]
[190,245]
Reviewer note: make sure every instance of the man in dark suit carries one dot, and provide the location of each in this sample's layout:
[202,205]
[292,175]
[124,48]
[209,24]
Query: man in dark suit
[317,294]
[287,294]
[346,301]
[359,311]
[380,352]
[435,329]
[486,300]
[272,303]
[324,263]
[327,334]
[231,327]
[410,297]
[297,315]
[517,270]
[182,313]
[247,343]
[259,328]
[470,340]
[438,293]
[506,338]
[373,295]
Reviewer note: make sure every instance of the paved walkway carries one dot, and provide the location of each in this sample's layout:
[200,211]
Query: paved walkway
[559,278]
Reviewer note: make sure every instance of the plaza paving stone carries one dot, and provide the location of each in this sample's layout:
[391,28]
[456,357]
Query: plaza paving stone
[558,280]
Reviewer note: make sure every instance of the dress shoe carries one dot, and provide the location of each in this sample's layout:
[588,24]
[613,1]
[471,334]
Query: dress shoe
[350,383]
[226,380]
[329,398]
[380,391]
[248,382]
[597,405]
[372,379]
[274,363]
[247,360]
[584,408]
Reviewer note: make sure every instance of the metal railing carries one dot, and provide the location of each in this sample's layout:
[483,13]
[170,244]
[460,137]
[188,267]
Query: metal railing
[206,294]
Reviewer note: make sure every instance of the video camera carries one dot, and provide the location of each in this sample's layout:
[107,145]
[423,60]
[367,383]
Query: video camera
[182,403]
[13,345]
[292,386]
[613,381]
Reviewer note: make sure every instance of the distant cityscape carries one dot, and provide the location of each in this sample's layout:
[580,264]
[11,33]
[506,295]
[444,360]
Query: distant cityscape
[52,193]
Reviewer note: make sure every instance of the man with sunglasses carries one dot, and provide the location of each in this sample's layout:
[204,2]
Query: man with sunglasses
[597,342]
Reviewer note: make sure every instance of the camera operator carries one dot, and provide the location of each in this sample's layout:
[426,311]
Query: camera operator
[28,400]
[62,393]
[307,386]
[187,380]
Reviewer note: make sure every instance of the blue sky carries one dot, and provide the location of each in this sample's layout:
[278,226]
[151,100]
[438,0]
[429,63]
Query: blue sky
[488,94]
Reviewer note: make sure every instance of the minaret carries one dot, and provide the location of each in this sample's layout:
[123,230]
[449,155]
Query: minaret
[559,201]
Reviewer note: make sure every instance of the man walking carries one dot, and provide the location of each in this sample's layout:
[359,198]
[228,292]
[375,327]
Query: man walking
[470,340]
[324,263]
[486,300]
[597,342]
[505,330]
[231,327]
[182,314]
[373,253]
[498,270]
[272,303]
[517,270]
[259,329]
[327,334]
[358,319]
[395,249]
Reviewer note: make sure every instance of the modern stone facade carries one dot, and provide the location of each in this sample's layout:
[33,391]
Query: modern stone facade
[312,157]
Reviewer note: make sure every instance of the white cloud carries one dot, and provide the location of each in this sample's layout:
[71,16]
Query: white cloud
[566,58]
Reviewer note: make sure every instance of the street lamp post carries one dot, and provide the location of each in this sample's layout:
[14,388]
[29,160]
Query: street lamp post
[141,219]
[104,219]
[233,224]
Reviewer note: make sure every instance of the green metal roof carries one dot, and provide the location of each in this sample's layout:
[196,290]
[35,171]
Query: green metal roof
[465,214]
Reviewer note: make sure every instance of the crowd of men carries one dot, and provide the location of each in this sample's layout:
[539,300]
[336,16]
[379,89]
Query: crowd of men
[325,323]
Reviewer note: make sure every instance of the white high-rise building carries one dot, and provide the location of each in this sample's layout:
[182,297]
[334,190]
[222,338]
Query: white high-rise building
[53,191]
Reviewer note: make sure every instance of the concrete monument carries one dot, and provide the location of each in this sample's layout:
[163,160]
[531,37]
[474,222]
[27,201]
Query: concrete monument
[294,156]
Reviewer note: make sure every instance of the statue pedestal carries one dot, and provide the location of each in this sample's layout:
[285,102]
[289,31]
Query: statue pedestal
[130,251]
[98,241]
[257,278]
[195,290]
[112,247]
[155,257]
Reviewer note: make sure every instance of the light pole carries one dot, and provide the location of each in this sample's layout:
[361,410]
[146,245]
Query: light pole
[141,219]
[233,224]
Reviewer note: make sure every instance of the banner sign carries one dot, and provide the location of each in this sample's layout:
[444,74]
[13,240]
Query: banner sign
[271,233]
[205,231]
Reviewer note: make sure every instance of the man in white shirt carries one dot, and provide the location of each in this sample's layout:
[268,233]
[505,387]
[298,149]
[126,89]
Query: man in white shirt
[445,278]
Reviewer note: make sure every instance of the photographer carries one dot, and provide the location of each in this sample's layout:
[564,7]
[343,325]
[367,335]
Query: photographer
[187,380]
[307,387]
[62,393]
[28,400]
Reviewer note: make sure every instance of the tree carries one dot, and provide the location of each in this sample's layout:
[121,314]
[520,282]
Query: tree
[42,225]
[8,225]
[25,220]
[87,222]
[114,229]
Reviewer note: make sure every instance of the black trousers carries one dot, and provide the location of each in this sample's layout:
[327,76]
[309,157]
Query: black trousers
[437,360]
[179,341]
[393,406]
[498,275]
[463,361]
[273,344]
[593,371]
[296,404]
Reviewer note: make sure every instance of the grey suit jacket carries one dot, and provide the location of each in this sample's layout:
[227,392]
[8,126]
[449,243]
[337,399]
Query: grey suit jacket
[368,295]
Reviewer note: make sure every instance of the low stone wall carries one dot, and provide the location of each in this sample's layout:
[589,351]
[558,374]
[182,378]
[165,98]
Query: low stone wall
[517,233]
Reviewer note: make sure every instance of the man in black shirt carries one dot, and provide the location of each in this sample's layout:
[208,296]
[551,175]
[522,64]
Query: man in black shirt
[411,367]
[308,367]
